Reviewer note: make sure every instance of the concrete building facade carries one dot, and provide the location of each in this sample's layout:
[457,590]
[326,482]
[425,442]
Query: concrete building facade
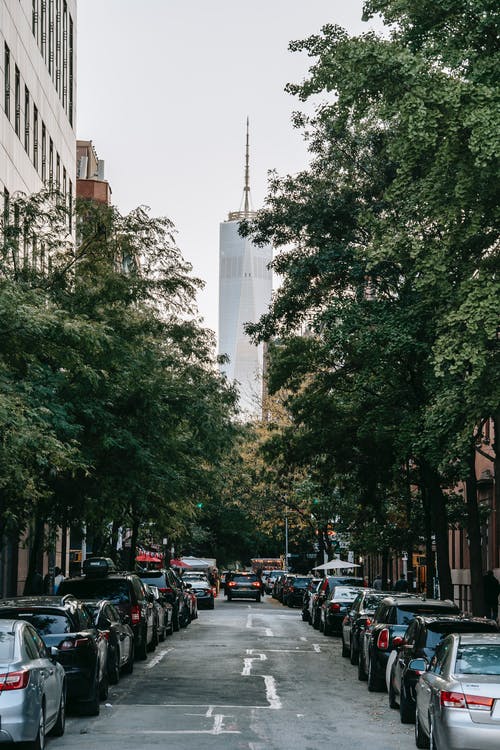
[245,288]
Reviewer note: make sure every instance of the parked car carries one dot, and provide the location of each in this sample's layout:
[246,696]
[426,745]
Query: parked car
[170,586]
[309,591]
[335,607]
[357,619]
[119,635]
[421,639]
[32,686]
[125,590]
[244,586]
[327,585]
[458,695]
[277,590]
[191,602]
[393,615]
[163,613]
[269,580]
[288,582]
[204,592]
[294,595]
[66,624]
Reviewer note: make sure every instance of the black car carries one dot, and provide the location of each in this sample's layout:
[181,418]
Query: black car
[170,586]
[125,590]
[309,591]
[358,618]
[277,591]
[324,590]
[294,593]
[119,635]
[66,625]
[335,607]
[421,639]
[393,615]
[243,586]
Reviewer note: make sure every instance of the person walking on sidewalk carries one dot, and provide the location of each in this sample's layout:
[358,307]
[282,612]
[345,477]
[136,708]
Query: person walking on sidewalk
[491,592]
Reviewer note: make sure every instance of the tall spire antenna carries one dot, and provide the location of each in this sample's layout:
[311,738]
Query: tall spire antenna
[246,189]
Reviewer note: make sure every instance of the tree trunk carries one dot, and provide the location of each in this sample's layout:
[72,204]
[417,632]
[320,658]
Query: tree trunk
[496,465]
[474,533]
[429,554]
[385,561]
[437,502]
[133,544]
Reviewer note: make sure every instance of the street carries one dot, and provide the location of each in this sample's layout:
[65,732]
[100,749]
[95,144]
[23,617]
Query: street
[245,675]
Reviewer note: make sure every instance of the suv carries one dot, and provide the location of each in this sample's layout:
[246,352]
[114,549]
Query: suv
[243,586]
[125,590]
[171,587]
[65,624]
[393,615]
[421,639]
[357,619]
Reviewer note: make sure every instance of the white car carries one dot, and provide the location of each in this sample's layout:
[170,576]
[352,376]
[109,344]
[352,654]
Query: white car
[32,686]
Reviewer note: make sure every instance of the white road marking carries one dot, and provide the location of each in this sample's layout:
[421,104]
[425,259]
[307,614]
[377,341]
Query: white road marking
[303,638]
[247,668]
[249,621]
[271,694]
[316,647]
[269,632]
[210,711]
[157,659]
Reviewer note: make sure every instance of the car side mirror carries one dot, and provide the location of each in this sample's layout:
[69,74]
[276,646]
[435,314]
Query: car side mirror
[418,665]
[53,652]
[397,641]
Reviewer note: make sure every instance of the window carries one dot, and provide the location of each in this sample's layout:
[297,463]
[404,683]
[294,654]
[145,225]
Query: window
[6,82]
[29,644]
[35,137]
[43,29]
[70,205]
[64,182]
[26,120]
[44,152]
[51,161]
[6,206]
[58,46]
[58,172]
[17,95]
[71,72]
[34,18]
[65,57]
[51,39]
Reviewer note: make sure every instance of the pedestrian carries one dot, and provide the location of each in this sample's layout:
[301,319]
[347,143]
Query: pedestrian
[58,578]
[401,583]
[377,583]
[34,584]
[491,592]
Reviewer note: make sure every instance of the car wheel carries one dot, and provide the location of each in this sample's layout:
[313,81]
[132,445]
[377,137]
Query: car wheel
[184,618]
[113,667]
[163,633]
[327,628]
[362,676]
[60,725]
[175,620]
[354,654]
[406,707]
[257,599]
[229,598]
[128,668]
[432,737]
[392,695]
[316,622]
[305,616]
[154,640]
[141,651]
[346,651]
[104,687]
[421,740]
[374,684]
[91,707]
[39,741]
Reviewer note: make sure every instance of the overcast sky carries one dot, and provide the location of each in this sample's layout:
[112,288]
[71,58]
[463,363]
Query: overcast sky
[164,89]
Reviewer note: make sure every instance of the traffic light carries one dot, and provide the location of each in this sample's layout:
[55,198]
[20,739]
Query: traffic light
[199,505]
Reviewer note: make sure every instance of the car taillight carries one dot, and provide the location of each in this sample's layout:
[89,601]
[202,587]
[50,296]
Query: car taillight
[105,634]
[256,584]
[368,622]
[208,591]
[14,680]
[335,607]
[397,641]
[70,643]
[383,639]
[135,614]
[464,700]
[232,583]
[166,590]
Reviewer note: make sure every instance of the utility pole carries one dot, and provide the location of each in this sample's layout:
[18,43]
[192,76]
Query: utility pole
[286,538]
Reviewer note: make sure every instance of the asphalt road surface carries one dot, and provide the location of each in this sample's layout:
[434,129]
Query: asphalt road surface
[245,676]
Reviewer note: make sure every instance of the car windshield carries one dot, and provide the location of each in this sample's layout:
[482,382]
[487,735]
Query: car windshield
[45,621]
[478,659]
[406,615]
[438,630]
[114,589]
[154,581]
[6,646]
[244,579]
[371,603]
[340,592]
[301,583]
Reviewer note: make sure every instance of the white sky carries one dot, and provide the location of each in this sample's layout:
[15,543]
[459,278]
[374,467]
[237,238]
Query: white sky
[164,89]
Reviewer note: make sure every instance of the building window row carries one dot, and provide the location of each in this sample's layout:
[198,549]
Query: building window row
[52,27]
[45,159]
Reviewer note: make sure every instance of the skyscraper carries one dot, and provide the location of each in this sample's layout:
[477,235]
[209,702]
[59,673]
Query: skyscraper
[245,287]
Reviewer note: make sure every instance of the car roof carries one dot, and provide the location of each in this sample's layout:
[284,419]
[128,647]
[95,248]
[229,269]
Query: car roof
[410,600]
[44,602]
[478,638]
[432,619]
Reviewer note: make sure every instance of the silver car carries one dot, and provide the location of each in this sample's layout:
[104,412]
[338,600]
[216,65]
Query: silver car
[458,696]
[32,686]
